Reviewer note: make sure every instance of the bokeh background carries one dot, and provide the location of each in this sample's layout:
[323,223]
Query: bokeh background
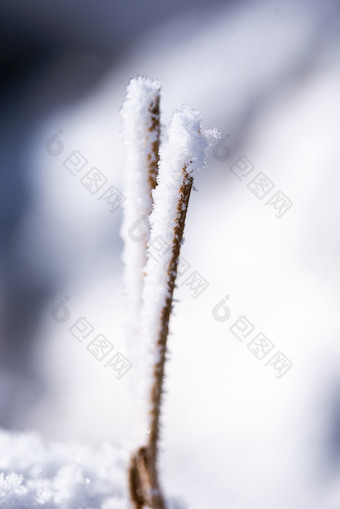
[267,75]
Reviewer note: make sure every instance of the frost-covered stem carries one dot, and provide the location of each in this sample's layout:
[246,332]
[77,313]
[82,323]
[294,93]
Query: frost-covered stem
[141,136]
[156,392]
[181,156]
[145,460]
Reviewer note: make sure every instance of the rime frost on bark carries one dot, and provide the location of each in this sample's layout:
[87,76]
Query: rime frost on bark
[181,156]
[141,135]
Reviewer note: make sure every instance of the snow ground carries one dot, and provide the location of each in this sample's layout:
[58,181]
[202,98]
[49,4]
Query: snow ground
[36,474]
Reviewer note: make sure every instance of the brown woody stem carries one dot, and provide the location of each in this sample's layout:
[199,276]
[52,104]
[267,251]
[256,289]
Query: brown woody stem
[143,472]
[153,156]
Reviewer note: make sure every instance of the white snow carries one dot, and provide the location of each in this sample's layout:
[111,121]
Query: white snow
[142,93]
[35,474]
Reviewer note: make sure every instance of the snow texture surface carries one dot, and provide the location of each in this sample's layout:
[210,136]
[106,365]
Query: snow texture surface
[72,476]
[39,475]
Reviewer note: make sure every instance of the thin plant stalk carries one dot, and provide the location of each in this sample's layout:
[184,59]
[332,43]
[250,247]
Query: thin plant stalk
[141,136]
[181,156]
[144,462]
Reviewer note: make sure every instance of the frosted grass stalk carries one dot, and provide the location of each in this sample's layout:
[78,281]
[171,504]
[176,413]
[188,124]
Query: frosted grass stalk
[141,137]
[181,156]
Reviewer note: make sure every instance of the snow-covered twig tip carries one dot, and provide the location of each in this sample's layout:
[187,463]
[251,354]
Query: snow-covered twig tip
[181,156]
